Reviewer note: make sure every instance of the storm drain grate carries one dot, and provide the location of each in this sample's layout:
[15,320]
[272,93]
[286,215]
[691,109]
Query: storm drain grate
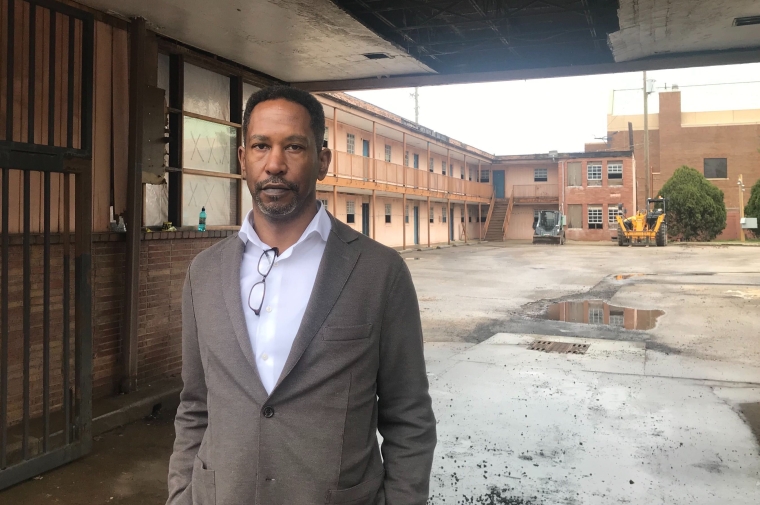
[560,347]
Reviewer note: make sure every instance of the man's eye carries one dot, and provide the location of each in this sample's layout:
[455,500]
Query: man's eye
[295,148]
[259,146]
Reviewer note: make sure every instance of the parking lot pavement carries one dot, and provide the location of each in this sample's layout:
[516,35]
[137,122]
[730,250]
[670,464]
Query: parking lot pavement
[605,427]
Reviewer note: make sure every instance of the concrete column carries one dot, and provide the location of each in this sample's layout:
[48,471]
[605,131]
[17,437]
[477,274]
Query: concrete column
[335,201]
[428,213]
[373,215]
[480,224]
[403,222]
[465,218]
[448,220]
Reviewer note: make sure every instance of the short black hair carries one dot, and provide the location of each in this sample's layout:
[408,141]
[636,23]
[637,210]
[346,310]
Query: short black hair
[295,95]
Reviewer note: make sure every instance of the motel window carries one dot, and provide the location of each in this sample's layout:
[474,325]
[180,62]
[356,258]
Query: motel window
[416,161]
[716,168]
[540,175]
[485,176]
[615,173]
[617,317]
[350,215]
[208,152]
[406,159]
[612,214]
[443,167]
[595,218]
[387,212]
[431,164]
[432,214]
[350,143]
[594,174]
[323,201]
[326,138]
[443,214]
[406,214]
[387,153]
[461,173]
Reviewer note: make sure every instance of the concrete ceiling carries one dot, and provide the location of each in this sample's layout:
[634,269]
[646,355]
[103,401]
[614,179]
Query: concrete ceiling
[291,40]
[656,27]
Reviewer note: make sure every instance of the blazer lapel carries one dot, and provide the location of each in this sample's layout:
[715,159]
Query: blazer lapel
[338,261]
[232,257]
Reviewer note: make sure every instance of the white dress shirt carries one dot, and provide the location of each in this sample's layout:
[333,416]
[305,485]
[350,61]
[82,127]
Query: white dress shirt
[288,288]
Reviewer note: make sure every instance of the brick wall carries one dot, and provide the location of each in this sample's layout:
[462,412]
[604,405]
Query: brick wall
[164,258]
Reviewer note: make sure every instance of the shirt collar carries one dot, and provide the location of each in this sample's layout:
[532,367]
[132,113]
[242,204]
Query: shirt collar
[321,224]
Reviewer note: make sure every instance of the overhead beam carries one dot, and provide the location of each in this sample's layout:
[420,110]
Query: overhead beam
[687,60]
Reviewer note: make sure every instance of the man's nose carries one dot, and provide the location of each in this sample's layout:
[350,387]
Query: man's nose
[276,161]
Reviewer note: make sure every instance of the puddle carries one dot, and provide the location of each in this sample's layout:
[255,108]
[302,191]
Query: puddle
[601,313]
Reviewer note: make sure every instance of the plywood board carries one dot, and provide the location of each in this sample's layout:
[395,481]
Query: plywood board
[102,117]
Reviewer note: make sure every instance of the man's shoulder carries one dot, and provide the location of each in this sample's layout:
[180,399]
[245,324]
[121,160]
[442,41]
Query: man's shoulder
[213,255]
[371,252]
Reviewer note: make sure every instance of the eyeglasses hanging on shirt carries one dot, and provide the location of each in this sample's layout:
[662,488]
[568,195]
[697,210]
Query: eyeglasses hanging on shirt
[259,290]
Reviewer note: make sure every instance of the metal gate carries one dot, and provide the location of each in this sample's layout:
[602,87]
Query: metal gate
[45,319]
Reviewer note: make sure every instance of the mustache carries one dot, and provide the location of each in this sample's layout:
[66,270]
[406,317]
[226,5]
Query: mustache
[279,181]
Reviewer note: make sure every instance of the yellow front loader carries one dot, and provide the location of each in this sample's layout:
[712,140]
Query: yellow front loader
[645,227]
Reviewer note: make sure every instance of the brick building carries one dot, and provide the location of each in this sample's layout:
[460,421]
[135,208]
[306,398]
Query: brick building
[720,144]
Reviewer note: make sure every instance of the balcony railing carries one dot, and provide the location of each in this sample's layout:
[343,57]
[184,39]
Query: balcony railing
[360,168]
[535,192]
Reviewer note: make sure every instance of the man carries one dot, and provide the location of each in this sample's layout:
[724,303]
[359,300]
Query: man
[300,339]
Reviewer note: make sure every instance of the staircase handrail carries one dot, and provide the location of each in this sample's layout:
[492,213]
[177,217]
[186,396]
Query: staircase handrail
[505,226]
[490,212]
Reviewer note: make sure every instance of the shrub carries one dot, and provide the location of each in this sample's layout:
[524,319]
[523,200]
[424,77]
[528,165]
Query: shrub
[753,206]
[696,209]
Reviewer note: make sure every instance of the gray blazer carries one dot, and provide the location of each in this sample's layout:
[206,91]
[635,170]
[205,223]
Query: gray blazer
[356,366]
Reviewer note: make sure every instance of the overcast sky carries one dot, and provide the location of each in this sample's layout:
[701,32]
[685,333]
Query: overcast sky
[537,116]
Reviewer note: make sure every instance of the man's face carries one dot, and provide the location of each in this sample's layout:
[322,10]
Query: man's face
[280,160]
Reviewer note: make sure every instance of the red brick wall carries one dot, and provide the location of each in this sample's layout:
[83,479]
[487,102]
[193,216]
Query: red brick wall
[604,196]
[674,145]
[164,259]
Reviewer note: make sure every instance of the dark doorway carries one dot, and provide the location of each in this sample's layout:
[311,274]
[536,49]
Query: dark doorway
[365,219]
[416,225]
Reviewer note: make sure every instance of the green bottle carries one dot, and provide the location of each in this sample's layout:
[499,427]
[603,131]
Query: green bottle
[202,220]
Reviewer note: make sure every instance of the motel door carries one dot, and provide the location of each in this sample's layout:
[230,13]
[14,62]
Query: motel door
[365,219]
[416,225]
[45,256]
[498,183]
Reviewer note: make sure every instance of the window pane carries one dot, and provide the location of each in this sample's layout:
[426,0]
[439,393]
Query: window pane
[248,90]
[163,73]
[206,92]
[157,204]
[540,175]
[716,168]
[218,195]
[209,146]
[246,201]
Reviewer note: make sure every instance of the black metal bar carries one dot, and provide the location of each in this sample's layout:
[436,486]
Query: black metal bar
[27,280]
[176,93]
[51,81]
[66,309]
[5,327]
[32,68]
[38,465]
[46,318]
[70,107]
[83,304]
[236,115]
[88,27]
[9,75]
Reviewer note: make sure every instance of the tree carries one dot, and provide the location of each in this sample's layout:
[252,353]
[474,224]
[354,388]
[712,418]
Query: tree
[695,207]
[753,206]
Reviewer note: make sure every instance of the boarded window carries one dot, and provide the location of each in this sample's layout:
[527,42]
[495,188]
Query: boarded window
[595,218]
[716,168]
[615,173]
[574,177]
[575,215]
[540,175]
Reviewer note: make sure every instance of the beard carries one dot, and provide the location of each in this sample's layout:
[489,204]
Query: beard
[276,208]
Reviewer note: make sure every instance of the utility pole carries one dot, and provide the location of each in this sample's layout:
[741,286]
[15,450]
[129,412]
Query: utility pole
[741,207]
[416,96]
[648,169]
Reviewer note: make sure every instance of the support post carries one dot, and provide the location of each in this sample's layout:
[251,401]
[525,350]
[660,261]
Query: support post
[427,171]
[647,168]
[373,215]
[480,223]
[335,201]
[374,152]
[741,208]
[403,222]
[448,218]
[335,142]
[137,82]
[428,216]
[465,218]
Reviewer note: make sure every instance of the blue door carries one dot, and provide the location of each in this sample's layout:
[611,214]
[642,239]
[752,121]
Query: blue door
[498,183]
[365,148]
[416,225]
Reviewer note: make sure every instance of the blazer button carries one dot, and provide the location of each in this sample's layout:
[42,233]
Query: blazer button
[268,412]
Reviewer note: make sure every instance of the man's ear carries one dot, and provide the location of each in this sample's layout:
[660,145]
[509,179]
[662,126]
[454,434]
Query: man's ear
[241,159]
[325,157]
